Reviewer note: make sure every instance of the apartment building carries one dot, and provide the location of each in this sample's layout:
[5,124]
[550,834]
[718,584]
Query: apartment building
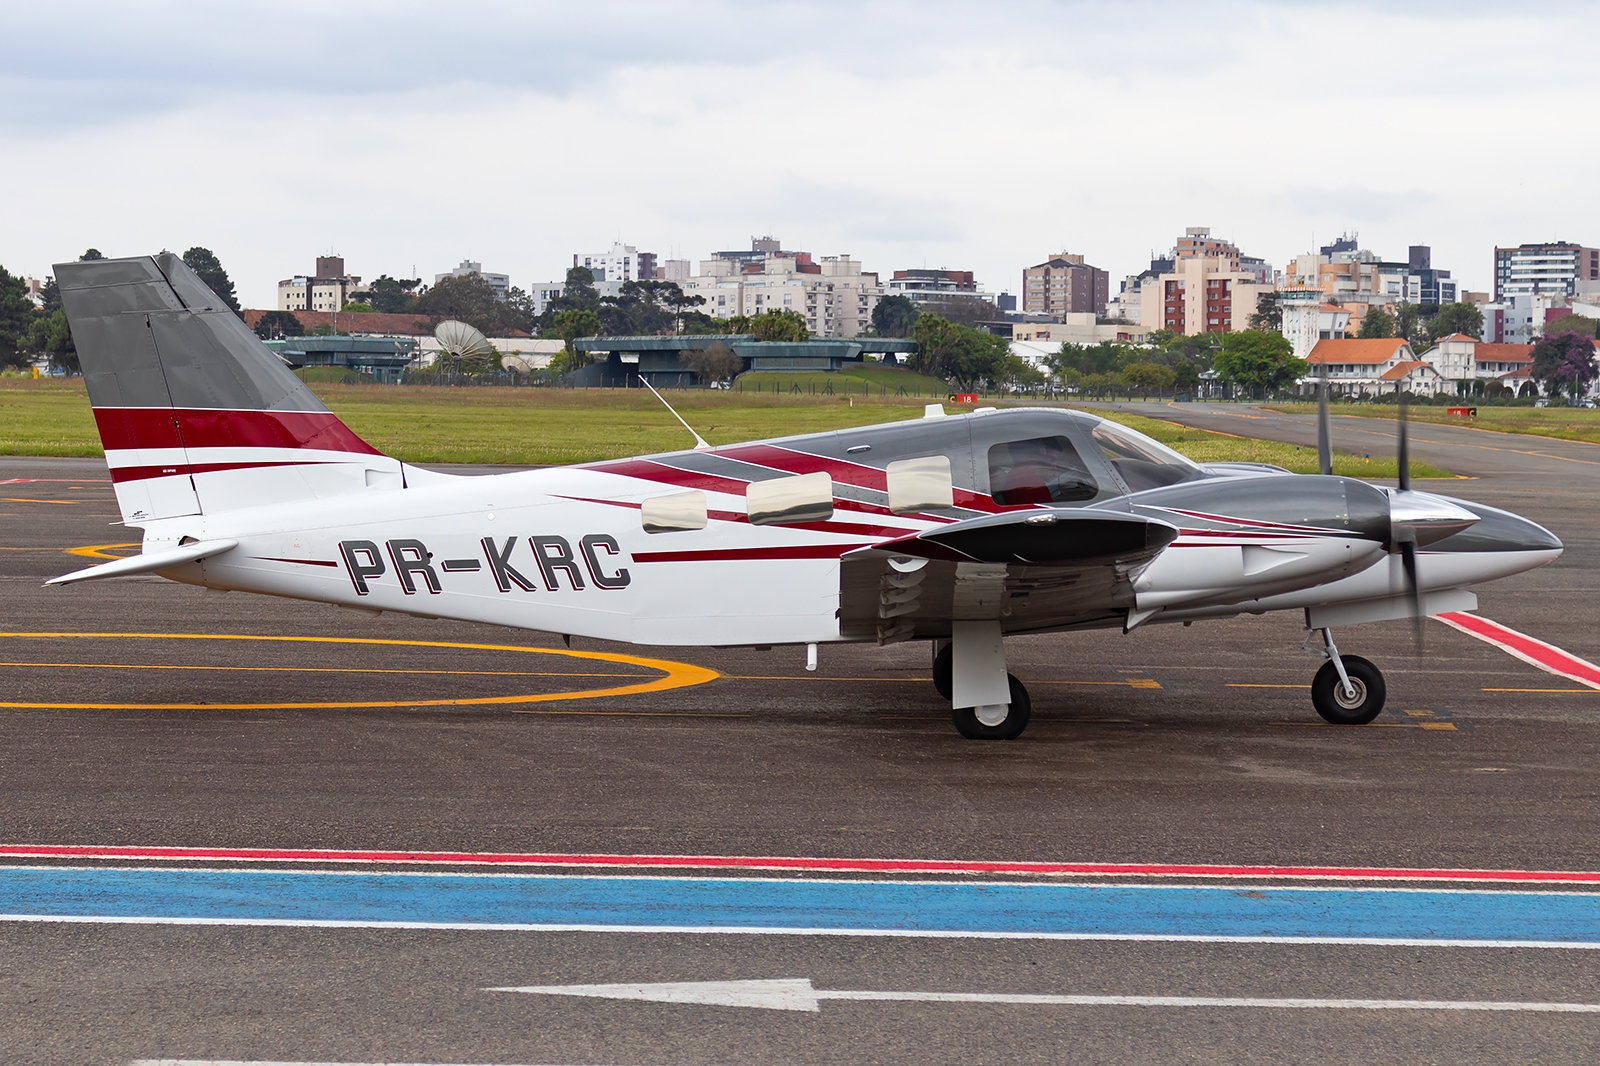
[1065,284]
[1554,267]
[1201,294]
[621,262]
[328,288]
[833,294]
[1307,320]
[923,286]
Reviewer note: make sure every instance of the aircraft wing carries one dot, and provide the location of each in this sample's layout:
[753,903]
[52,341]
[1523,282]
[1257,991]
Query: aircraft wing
[1032,570]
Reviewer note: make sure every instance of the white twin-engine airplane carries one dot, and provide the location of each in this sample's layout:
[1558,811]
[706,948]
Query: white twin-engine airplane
[954,530]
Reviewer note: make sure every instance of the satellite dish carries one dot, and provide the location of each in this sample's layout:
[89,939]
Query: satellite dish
[461,341]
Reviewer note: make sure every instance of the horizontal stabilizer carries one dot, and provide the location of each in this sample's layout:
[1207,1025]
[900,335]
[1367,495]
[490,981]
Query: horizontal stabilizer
[1037,537]
[149,562]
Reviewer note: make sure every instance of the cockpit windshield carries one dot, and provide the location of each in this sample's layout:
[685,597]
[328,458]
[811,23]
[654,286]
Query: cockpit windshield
[1141,462]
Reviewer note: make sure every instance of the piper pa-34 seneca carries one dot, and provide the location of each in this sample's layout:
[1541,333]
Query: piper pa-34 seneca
[958,530]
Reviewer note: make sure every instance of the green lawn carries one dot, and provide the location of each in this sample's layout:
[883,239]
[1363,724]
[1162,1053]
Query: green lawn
[543,426]
[873,378]
[1563,423]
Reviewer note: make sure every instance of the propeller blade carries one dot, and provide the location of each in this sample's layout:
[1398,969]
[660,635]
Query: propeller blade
[1408,561]
[1324,434]
[1404,453]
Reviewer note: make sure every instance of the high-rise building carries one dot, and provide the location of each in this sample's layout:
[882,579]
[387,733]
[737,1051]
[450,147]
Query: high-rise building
[328,289]
[1553,267]
[622,262]
[833,294]
[1064,284]
[924,286]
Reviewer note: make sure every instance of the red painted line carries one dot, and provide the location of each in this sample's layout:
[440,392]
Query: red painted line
[1546,657]
[778,862]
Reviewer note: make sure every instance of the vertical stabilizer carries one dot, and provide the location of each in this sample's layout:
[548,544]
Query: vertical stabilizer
[196,415]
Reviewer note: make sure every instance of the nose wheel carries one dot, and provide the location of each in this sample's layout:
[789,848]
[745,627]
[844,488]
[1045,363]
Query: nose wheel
[1348,690]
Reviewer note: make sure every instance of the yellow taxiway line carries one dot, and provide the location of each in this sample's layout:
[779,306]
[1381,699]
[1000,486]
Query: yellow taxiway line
[675,675]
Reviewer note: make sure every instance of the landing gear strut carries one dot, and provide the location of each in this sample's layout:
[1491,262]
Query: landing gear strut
[993,721]
[1348,690]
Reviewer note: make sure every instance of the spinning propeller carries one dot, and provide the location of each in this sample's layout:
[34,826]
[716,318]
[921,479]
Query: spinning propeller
[1413,517]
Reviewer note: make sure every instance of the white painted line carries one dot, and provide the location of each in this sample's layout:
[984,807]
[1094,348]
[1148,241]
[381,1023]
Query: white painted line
[931,934]
[796,994]
[719,930]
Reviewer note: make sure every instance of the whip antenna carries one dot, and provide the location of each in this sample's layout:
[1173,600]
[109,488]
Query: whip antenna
[699,442]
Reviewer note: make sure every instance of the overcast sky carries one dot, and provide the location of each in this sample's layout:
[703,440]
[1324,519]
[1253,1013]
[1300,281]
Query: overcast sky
[974,136]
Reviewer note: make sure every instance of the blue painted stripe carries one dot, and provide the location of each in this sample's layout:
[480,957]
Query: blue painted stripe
[799,905]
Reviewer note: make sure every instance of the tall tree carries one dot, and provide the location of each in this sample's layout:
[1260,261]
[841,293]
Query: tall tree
[959,354]
[570,325]
[1456,318]
[394,296]
[1376,324]
[894,316]
[275,324]
[468,298]
[1408,323]
[205,264]
[1268,314]
[1564,362]
[50,335]
[90,255]
[777,326]
[1584,327]
[1256,359]
[16,317]
[716,363]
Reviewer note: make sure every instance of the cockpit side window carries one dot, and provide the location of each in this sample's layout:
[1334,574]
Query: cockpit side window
[1040,470]
[1141,462]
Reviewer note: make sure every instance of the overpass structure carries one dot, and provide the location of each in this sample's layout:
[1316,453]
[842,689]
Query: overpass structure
[663,361]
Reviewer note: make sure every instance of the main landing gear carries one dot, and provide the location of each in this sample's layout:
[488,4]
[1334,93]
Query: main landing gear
[1348,690]
[969,671]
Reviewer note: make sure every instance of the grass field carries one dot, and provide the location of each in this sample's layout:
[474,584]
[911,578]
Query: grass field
[1563,423]
[543,426]
[869,378]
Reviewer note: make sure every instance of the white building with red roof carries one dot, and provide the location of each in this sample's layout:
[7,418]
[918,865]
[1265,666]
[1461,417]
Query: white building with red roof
[1460,357]
[1372,367]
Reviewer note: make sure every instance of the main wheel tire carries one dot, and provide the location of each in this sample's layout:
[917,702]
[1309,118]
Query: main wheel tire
[1010,728]
[1327,694]
[944,672]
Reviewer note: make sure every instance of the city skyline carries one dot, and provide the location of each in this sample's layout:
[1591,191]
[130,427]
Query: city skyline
[902,135]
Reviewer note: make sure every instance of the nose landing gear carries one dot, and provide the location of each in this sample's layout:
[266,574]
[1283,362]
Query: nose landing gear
[1348,690]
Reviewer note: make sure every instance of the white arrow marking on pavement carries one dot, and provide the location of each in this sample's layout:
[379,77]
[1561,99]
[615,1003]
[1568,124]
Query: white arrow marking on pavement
[796,993]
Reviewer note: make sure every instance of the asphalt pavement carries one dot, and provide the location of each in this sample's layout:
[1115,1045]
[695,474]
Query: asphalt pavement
[127,722]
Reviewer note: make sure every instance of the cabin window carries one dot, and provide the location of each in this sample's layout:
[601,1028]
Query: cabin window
[1141,462]
[920,484]
[1041,470]
[670,514]
[801,498]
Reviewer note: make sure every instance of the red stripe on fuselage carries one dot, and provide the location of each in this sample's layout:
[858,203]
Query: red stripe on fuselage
[165,427]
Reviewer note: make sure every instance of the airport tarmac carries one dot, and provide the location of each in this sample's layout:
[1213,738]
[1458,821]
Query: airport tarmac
[144,714]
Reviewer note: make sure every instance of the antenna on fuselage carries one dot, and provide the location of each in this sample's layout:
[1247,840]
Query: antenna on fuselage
[699,442]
